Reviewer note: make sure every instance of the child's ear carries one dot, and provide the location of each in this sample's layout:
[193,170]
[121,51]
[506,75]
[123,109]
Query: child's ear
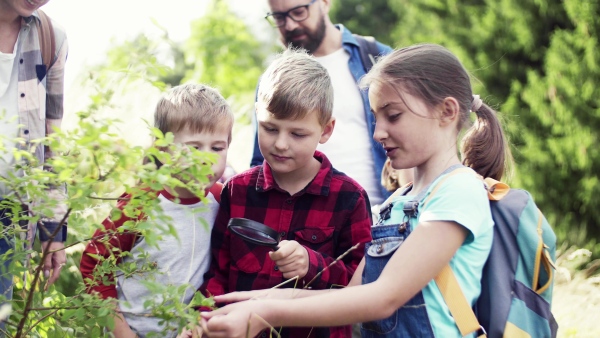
[327,130]
[450,111]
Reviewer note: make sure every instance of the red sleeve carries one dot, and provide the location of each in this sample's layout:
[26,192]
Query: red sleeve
[216,280]
[357,230]
[106,242]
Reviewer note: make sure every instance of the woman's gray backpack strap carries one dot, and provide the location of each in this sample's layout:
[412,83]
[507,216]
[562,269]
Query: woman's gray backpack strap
[368,49]
[47,39]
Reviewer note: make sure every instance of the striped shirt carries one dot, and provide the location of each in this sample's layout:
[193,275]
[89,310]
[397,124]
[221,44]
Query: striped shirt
[40,95]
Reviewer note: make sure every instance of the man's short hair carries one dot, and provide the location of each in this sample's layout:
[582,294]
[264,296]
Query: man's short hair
[195,106]
[296,84]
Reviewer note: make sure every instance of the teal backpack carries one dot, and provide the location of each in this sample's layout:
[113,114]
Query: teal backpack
[518,276]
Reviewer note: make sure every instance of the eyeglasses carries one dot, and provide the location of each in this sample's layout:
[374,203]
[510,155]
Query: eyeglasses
[298,14]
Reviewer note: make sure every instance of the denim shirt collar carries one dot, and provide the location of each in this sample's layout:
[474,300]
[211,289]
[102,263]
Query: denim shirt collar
[347,37]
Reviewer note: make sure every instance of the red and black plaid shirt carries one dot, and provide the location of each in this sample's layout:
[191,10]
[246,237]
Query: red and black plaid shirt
[328,216]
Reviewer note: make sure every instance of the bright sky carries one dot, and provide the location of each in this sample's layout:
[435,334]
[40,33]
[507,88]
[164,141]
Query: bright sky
[91,25]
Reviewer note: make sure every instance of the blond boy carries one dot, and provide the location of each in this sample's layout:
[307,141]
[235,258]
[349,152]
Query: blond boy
[319,212]
[198,117]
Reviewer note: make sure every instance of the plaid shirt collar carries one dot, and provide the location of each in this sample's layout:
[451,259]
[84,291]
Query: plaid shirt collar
[318,186]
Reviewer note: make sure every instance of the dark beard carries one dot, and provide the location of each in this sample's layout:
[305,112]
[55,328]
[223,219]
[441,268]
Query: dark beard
[313,39]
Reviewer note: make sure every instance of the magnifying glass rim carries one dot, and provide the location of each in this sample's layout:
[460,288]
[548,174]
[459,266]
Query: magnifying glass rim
[255,226]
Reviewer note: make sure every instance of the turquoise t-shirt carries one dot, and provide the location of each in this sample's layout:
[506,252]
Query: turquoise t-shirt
[461,198]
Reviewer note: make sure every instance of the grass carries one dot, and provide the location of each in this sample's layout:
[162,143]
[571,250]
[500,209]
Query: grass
[576,307]
[576,295]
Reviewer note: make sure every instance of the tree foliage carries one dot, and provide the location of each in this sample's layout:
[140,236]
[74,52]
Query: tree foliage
[223,52]
[373,18]
[220,52]
[98,168]
[535,61]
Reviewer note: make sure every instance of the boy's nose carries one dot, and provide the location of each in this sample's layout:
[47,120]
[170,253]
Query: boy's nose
[281,143]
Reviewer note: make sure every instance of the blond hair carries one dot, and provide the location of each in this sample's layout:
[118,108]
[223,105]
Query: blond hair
[294,85]
[195,106]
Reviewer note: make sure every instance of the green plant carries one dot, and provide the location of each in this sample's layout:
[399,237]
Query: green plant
[98,168]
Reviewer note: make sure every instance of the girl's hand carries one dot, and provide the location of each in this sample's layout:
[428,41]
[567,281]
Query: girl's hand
[240,320]
[239,296]
[291,258]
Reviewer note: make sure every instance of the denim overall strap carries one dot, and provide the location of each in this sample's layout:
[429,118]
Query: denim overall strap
[411,319]
[411,207]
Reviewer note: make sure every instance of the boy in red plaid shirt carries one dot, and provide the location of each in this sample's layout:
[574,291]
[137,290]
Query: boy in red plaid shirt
[319,212]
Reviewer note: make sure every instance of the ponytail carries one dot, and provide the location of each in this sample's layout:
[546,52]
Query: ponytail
[484,146]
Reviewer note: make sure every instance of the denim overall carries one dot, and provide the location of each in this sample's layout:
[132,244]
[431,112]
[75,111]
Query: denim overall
[411,319]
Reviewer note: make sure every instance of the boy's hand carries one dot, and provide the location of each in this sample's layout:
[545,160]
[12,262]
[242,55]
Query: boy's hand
[234,321]
[195,332]
[185,333]
[122,329]
[291,258]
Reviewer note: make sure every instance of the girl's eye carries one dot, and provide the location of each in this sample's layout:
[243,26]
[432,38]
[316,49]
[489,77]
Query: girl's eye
[218,149]
[298,135]
[269,130]
[394,117]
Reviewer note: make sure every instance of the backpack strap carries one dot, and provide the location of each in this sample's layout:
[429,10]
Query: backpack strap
[46,39]
[496,189]
[215,190]
[542,257]
[446,281]
[457,303]
[368,49]
[399,192]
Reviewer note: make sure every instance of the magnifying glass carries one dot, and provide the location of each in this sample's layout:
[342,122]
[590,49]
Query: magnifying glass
[254,232]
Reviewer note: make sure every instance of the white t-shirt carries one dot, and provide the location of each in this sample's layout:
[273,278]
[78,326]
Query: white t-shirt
[9,121]
[349,148]
[182,260]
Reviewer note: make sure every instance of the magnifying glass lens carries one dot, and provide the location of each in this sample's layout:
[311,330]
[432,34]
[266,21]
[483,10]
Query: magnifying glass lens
[254,234]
